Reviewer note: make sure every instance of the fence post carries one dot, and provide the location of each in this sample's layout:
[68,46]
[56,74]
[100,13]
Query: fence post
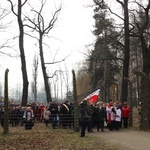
[76,118]
[6,124]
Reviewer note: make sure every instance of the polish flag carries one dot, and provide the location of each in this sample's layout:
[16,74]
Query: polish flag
[93,97]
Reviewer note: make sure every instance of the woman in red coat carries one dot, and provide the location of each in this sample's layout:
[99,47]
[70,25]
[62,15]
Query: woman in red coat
[125,114]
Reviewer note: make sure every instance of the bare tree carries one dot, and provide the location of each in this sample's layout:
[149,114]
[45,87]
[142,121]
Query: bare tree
[40,25]
[124,95]
[35,74]
[20,5]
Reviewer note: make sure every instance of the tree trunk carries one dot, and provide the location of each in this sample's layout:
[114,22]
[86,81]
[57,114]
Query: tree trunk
[22,56]
[145,113]
[145,90]
[47,86]
[124,95]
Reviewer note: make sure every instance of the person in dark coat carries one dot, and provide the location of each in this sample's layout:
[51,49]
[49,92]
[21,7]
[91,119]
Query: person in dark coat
[14,116]
[100,116]
[21,113]
[85,116]
[54,112]
[65,114]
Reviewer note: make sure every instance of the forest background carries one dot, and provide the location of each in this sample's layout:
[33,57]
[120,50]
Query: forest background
[117,61]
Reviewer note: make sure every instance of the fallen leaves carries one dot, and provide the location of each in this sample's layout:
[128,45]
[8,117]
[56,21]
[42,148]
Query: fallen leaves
[45,138]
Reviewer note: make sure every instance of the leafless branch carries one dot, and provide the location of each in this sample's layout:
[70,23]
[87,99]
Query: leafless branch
[12,8]
[36,27]
[24,3]
[55,74]
[53,20]
[139,4]
[142,74]
[120,2]
[4,13]
[31,36]
[115,14]
[59,61]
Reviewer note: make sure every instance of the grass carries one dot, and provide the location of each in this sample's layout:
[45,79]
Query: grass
[45,138]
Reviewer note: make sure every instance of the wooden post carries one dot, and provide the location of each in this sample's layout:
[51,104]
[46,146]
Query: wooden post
[6,123]
[76,118]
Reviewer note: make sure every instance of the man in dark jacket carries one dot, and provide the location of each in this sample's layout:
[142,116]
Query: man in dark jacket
[65,114]
[54,111]
[85,119]
[100,116]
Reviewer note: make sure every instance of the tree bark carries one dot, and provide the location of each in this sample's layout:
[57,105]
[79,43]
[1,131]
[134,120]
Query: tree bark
[22,56]
[124,95]
[46,83]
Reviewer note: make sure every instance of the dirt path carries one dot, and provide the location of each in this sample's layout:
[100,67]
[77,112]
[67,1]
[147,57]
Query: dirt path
[126,139]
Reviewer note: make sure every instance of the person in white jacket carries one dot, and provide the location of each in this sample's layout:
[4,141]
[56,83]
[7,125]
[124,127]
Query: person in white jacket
[28,117]
[46,115]
[117,118]
[111,112]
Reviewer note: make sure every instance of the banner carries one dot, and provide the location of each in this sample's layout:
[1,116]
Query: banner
[93,97]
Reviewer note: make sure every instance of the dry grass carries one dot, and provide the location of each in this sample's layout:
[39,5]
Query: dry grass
[45,138]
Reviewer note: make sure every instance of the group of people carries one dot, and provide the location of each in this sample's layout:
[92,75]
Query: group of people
[54,113]
[18,115]
[112,113]
[59,115]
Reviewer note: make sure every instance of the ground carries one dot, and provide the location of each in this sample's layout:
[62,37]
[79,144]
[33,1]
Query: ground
[126,139]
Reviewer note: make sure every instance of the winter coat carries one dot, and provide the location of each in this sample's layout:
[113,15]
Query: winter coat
[101,114]
[28,115]
[53,108]
[125,112]
[85,113]
[118,115]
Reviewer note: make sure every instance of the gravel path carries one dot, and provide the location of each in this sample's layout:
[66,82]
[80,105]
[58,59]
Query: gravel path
[126,139]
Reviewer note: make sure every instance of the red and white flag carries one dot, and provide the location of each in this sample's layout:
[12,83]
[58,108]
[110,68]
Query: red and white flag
[93,97]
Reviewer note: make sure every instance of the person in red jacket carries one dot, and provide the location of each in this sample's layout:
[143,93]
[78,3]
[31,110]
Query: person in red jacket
[125,114]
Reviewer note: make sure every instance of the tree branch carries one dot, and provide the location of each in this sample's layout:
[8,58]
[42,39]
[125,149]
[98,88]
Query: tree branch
[120,2]
[51,23]
[24,3]
[142,74]
[59,61]
[12,8]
